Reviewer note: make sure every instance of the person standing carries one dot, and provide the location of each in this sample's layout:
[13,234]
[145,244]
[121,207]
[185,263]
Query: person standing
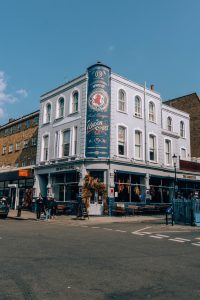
[49,208]
[39,207]
[53,209]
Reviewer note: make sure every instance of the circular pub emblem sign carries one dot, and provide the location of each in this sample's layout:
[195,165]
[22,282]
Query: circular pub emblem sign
[98,101]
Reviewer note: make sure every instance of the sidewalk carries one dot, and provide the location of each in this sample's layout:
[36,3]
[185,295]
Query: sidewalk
[27,215]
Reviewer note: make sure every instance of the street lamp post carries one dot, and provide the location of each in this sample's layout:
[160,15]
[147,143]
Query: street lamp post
[174,158]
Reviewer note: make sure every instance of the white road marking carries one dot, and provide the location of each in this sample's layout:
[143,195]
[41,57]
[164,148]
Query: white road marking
[156,237]
[162,235]
[143,229]
[197,238]
[137,233]
[108,228]
[181,239]
[195,244]
[145,232]
[175,240]
[84,226]
[95,227]
[120,230]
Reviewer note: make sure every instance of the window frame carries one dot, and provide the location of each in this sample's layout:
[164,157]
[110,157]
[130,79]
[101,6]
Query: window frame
[122,102]
[182,129]
[155,151]
[169,124]
[64,144]
[152,112]
[138,145]
[59,110]
[124,143]
[168,152]
[74,104]
[138,104]
[45,150]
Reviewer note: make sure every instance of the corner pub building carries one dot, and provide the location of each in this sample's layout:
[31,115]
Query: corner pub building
[118,131]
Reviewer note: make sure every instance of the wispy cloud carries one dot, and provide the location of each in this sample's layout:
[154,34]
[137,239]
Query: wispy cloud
[5,97]
[22,92]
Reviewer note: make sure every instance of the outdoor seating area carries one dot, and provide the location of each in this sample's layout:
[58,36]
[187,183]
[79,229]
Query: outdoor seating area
[124,209]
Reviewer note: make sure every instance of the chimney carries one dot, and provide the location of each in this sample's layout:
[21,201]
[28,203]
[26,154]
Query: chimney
[152,87]
[11,120]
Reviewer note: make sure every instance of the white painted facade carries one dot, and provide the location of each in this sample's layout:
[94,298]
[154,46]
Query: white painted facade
[156,132]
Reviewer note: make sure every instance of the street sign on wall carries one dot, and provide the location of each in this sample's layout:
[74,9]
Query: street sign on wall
[98,112]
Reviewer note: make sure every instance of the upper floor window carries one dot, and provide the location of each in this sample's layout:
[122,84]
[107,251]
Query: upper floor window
[45,148]
[19,126]
[47,113]
[36,120]
[75,97]
[152,148]
[17,146]
[138,107]
[152,112]
[75,140]
[4,150]
[27,123]
[66,143]
[169,124]
[138,144]
[10,149]
[168,152]
[183,153]
[122,100]
[60,112]
[122,141]
[182,129]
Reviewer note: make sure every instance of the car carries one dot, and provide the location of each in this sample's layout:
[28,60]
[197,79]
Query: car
[4,208]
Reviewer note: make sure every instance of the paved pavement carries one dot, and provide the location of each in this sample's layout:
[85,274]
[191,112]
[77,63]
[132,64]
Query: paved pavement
[27,215]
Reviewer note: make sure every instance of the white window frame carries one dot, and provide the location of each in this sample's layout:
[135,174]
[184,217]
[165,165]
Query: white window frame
[182,129]
[155,148]
[169,124]
[47,116]
[122,102]
[152,113]
[46,135]
[138,107]
[62,148]
[58,110]
[183,148]
[74,140]
[4,148]
[74,109]
[140,145]
[168,154]
[10,148]
[17,146]
[25,145]
[126,140]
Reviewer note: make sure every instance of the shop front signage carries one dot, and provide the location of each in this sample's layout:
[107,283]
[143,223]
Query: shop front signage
[189,176]
[98,112]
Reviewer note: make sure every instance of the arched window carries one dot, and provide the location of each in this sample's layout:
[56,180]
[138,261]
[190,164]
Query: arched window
[138,144]
[122,100]
[122,141]
[47,113]
[152,148]
[169,124]
[152,116]
[182,129]
[138,107]
[75,98]
[60,112]
[45,148]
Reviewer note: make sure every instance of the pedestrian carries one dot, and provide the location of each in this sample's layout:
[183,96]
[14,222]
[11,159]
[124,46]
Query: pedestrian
[53,209]
[48,208]
[39,207]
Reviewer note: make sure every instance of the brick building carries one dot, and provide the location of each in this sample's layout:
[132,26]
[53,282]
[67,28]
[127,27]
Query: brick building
[191,105]
[18,147]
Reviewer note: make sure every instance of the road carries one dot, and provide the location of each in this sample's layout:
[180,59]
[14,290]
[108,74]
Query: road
[57,260]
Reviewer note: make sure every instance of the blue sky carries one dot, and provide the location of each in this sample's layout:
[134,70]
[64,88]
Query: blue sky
[44,43]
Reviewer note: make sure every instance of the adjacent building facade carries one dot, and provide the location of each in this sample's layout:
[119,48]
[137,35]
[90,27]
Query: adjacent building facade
[116,130]
[191,105]
[18,144]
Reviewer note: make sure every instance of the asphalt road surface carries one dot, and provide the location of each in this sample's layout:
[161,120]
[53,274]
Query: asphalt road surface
[57,260]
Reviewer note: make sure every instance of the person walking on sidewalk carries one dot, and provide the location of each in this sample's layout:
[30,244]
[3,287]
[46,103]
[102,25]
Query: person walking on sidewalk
[39,207]
[49,208]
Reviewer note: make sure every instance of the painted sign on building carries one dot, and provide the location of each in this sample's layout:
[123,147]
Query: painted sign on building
[98,112]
